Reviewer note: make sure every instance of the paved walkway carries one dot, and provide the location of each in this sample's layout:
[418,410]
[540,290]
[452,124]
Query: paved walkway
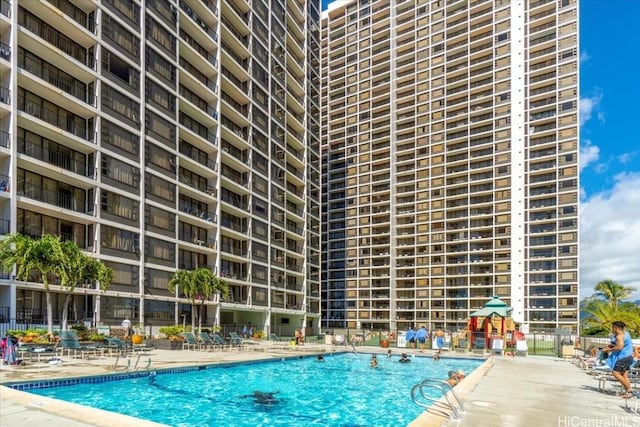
[542,391]
[522,391]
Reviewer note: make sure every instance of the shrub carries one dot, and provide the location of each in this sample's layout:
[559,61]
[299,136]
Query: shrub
[171,331]
[95,337]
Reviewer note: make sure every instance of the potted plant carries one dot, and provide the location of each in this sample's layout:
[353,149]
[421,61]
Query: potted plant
[384,341]
[138,337]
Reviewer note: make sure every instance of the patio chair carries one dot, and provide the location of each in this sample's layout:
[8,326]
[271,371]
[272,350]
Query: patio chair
[236,340]
[39,352]
[521,348]
[69,341]
[220,341]
[116,345]
[207,341]
[497,346]
[190,341]
[276,338]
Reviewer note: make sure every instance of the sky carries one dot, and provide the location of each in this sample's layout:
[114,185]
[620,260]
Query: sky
[609,211]
[609,143]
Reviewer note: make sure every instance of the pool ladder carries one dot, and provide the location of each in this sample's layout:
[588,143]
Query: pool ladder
[451,407]
[135,366]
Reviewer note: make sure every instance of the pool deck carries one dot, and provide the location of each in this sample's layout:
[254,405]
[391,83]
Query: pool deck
[505,391]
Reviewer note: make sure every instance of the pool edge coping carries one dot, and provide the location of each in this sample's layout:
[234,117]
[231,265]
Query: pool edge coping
[430,419]
[73,411]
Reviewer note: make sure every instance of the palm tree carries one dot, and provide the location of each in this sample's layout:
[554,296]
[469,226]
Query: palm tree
[601,314]
[612,292]
[183,281]
[207,284]
[77,268]
[43,255]
[608,304]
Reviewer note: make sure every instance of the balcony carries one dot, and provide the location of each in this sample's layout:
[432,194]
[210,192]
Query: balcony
[59,198]
[51,74]
[55,158]
[75,13]
[197,128]
[50,35]
[59,118]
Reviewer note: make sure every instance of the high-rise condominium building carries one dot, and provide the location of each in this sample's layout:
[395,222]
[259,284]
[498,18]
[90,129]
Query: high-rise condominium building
[162,135]
[450,153]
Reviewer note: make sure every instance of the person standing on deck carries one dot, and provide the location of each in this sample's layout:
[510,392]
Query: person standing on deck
[410,337]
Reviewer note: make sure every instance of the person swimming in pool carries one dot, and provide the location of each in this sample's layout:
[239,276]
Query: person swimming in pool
[404,358]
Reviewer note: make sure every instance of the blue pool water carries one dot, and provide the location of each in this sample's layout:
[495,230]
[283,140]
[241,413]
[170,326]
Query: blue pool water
[343,390]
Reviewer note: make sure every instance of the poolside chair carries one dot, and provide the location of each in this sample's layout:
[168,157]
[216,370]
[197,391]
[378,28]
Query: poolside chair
[190,341]
[69,342]
[521,348]
[207,341]
[116,345]
[220,341]
[588,356]
[39,352]
[276,338]
[497,346]
[237,341]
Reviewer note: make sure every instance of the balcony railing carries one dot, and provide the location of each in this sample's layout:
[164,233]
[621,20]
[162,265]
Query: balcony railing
[198,48]
[52,74]
[195,72]
[75,13]
[198,156]
[197,101]
[54,158]
[52,197]
[52,117]
[198,21]
[5,8]
[56,38]
[199,213]
[5,138]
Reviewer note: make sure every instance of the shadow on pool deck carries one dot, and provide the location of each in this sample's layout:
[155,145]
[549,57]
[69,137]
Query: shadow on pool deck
[522,391]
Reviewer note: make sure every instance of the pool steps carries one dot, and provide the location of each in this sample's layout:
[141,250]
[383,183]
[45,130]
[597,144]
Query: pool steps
[451,407]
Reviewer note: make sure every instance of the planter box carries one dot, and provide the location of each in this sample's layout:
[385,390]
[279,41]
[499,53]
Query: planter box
[164,344]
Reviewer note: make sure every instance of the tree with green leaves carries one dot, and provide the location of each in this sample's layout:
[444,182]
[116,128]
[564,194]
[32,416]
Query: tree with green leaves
[42,256]
[207,285]
[182,282]
[76,268]
[197,286]
[612,292]
[609,304]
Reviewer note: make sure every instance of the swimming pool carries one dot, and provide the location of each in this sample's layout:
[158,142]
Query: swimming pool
[342,390]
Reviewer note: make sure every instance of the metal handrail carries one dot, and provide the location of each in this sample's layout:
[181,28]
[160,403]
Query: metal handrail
[453,403]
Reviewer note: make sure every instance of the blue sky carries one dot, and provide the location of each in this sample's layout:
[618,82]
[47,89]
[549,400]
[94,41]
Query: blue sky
[610,143]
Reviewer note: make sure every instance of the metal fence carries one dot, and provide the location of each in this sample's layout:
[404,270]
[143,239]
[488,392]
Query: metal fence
[555,343]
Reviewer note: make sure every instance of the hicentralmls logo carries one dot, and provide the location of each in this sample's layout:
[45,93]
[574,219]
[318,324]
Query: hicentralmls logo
[612,421]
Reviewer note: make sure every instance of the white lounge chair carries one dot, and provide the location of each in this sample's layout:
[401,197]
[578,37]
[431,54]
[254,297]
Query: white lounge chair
[521,348]
[497,346]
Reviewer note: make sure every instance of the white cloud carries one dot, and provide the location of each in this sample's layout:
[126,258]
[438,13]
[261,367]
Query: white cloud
[610,236]
[589,153]
[584,57]
[626,158]
[588,106]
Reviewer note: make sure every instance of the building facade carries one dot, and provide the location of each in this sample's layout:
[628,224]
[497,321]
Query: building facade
[162,135]
[450,162]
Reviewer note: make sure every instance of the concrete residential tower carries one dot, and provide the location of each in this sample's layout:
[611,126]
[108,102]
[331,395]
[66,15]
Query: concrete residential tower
[450,162]
[162,135]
